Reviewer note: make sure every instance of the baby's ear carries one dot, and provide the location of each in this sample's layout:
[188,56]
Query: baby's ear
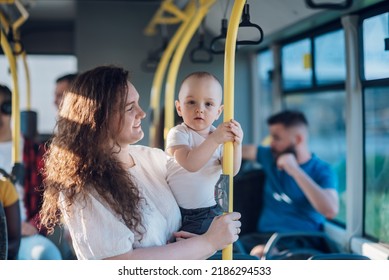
[219,111]
[178,107]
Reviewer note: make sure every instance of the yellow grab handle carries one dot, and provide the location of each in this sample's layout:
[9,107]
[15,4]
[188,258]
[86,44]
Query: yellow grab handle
[15,98]
[28,82]
[229,83]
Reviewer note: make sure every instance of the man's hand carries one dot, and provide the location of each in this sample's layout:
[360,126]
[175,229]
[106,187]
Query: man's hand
[288,162]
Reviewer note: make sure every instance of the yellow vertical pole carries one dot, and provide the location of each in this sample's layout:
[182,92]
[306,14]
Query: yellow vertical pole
[15,98]
[161,69]
[5,45]
[229,83]
[28,83]
[201,12]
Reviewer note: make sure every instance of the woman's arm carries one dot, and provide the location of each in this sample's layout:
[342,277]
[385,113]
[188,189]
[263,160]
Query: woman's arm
[12,214]
[223,231]
[249,152]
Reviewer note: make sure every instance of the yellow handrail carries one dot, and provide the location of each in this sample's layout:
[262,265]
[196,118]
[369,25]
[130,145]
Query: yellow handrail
[15,97]
[161,69]
[201,12]
[229,83]
[28,83]
[159,18]
[9,53]
[23,14]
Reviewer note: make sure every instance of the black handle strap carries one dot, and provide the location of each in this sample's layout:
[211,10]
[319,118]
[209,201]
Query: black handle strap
[222,37]
[201,54]
[331,6]
[247,23]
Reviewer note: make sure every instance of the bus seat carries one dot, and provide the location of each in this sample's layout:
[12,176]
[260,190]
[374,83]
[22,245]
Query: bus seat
[339,256]
[3,234]
[248,188]
[304,245]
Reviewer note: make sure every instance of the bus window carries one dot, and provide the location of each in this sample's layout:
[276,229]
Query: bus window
[375,30]
[294,73]
[377,163]
[376,127]
[265,70]
[330,61]
[44,70]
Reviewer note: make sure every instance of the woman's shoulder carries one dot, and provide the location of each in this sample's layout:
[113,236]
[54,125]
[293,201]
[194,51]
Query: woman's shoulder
[150,160]
[144,149]
[146,152]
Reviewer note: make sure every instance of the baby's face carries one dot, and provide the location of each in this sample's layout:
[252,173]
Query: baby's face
[199,103]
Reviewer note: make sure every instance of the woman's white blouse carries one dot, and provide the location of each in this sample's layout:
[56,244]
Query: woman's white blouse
[99,233]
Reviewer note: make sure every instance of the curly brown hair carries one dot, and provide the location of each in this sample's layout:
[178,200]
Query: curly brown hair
[81,157]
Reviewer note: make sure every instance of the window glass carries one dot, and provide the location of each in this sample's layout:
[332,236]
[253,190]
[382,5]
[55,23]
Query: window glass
[376,59]
[330,62]
[296,68]
[377,163]
[44,70]
[325,113]
[265,66]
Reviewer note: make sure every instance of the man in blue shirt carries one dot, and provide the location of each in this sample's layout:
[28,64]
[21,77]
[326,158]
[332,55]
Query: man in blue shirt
[300,189]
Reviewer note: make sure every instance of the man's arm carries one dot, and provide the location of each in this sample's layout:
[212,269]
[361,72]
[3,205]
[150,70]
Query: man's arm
[249,152]
[325,201]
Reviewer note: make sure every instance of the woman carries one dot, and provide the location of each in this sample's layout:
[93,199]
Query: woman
[113,196]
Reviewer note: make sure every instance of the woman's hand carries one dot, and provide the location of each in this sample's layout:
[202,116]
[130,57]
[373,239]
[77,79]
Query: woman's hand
[224,230]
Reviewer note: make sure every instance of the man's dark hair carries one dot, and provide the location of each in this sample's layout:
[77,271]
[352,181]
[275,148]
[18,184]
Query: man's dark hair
[6,105]
[6,92]
[288,118]
[68,78]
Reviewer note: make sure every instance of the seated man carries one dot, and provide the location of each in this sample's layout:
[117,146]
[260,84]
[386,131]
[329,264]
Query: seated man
[300,189]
